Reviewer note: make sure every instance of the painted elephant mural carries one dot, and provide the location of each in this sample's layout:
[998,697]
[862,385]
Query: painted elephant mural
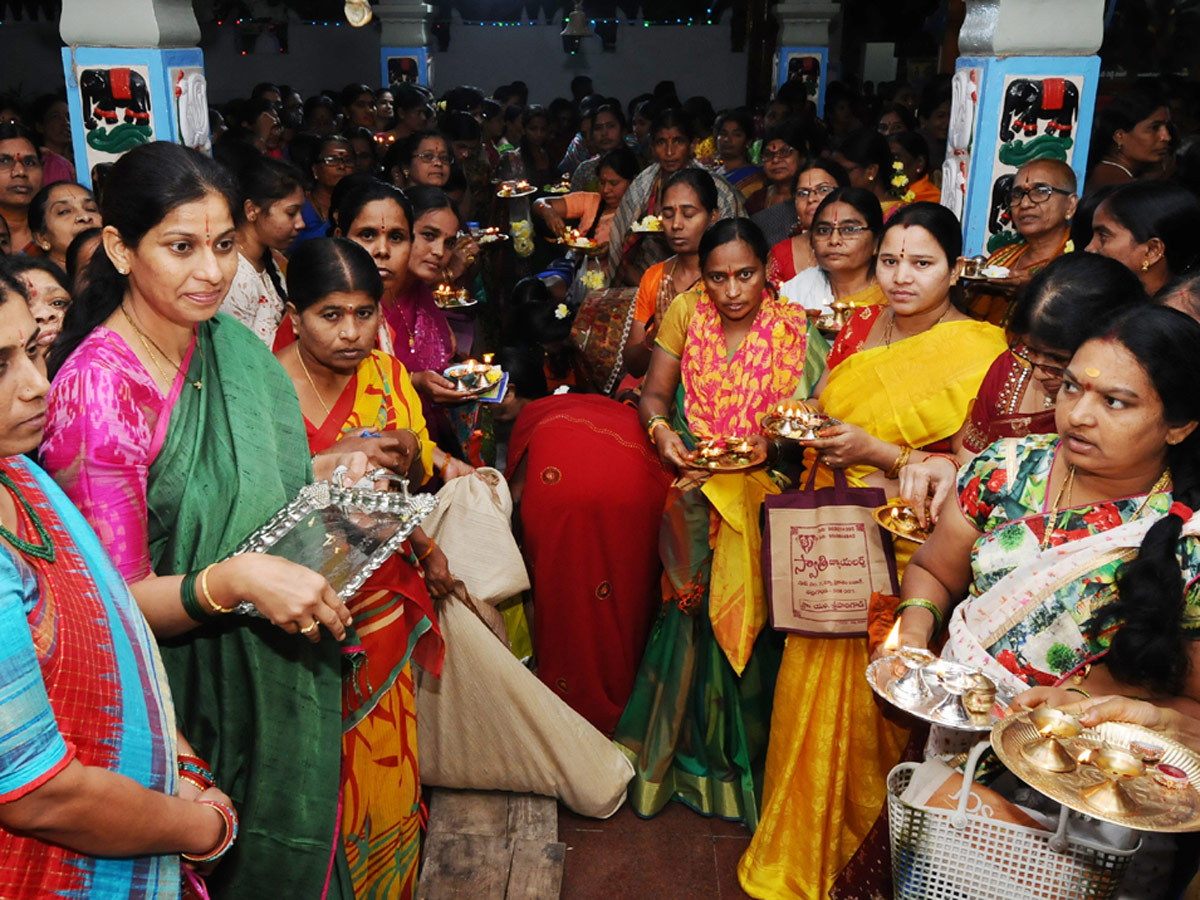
[999,212]
[103,90]
[1027,102]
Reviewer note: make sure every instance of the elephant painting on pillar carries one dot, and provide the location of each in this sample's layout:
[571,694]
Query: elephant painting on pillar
[104,91]
[1028,101]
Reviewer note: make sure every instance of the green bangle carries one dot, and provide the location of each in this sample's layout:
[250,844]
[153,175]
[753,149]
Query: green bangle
[190,600]
[1079,690]
[939,617]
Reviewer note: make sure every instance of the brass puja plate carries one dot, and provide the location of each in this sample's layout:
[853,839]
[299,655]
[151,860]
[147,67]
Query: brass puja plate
[799,426]
[934,706]
[478,381]
[490,237]
[726,455]
[1149,806]
[898,517]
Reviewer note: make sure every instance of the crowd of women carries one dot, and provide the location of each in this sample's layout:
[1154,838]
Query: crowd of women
[186,347]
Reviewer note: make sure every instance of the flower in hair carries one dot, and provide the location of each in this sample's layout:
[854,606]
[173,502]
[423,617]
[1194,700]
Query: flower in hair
[561,311]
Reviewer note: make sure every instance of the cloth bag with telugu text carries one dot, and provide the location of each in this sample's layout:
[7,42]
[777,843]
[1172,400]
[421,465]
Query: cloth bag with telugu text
[824,555]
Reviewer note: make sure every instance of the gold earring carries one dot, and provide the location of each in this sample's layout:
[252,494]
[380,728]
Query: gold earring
[1145,265]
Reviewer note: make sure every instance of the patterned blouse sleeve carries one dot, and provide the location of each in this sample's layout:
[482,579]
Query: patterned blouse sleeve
[96,448]
[32,750]
[981,482]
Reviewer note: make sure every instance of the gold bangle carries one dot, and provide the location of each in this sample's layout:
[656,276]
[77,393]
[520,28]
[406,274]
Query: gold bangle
[216,607]
[899,464]
[653,423]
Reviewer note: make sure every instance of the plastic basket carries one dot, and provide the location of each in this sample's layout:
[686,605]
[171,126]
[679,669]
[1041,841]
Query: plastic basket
[942,854]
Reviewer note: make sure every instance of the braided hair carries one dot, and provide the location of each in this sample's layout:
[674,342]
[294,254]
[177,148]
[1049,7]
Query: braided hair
[1149,648]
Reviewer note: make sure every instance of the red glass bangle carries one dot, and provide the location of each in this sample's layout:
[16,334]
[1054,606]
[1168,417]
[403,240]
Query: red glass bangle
[231,830]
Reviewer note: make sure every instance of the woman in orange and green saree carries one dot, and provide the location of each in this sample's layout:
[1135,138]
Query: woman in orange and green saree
[363,400]
[900,378]
[695,726]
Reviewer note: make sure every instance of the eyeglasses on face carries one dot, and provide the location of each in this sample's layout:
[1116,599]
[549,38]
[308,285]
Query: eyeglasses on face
[7,163]
[824,231]
[338,162]
[430,157]
[822,190]
[768,155]
[1039,193]
[1037,361]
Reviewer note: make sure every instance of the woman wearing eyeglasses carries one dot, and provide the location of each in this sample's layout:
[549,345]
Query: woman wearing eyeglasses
[1067,302]
[792,252]
[426,159]
[845,237]
[784,151]
[1041,203]
[335,160]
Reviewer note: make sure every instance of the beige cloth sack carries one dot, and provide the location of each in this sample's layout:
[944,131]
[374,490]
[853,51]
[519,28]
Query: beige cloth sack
[473,526]
[489,724]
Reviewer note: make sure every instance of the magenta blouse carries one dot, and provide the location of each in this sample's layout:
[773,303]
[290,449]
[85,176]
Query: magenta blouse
[106,422]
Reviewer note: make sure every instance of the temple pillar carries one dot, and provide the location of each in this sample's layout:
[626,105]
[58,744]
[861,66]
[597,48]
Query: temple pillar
[134,74]
[404,44]
[804,45]
[1024,88]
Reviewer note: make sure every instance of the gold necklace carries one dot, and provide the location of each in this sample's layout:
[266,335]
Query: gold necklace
[1069,482]
[1052,522]
[887,328]
[148,342]
[311,383]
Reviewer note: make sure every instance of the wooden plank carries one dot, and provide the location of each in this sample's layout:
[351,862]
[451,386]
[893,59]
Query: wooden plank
[532,817]
[465,867]
[468,812]
[537,870]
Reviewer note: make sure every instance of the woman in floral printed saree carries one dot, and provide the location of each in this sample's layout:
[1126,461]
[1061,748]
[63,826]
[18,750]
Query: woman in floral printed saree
[695,726]
[1076,552]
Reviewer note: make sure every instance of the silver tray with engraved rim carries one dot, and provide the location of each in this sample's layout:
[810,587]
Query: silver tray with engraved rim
[343,533]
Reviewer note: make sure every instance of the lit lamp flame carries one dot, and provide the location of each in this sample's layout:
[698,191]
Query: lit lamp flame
[487,358]
[893,639]
[1085,755]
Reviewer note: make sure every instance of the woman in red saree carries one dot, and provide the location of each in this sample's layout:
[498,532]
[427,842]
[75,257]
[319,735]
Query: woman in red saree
[591,492]
[363,398]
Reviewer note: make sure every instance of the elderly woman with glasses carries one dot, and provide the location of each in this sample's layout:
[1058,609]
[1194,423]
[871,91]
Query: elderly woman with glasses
[334,161]
[1040,204]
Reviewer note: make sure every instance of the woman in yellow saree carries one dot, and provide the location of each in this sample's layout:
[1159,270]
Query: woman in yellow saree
[695,725]
[900,379]
[362,399]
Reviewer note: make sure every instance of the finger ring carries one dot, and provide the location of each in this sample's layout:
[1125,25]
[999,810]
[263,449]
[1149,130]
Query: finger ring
[310,628]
